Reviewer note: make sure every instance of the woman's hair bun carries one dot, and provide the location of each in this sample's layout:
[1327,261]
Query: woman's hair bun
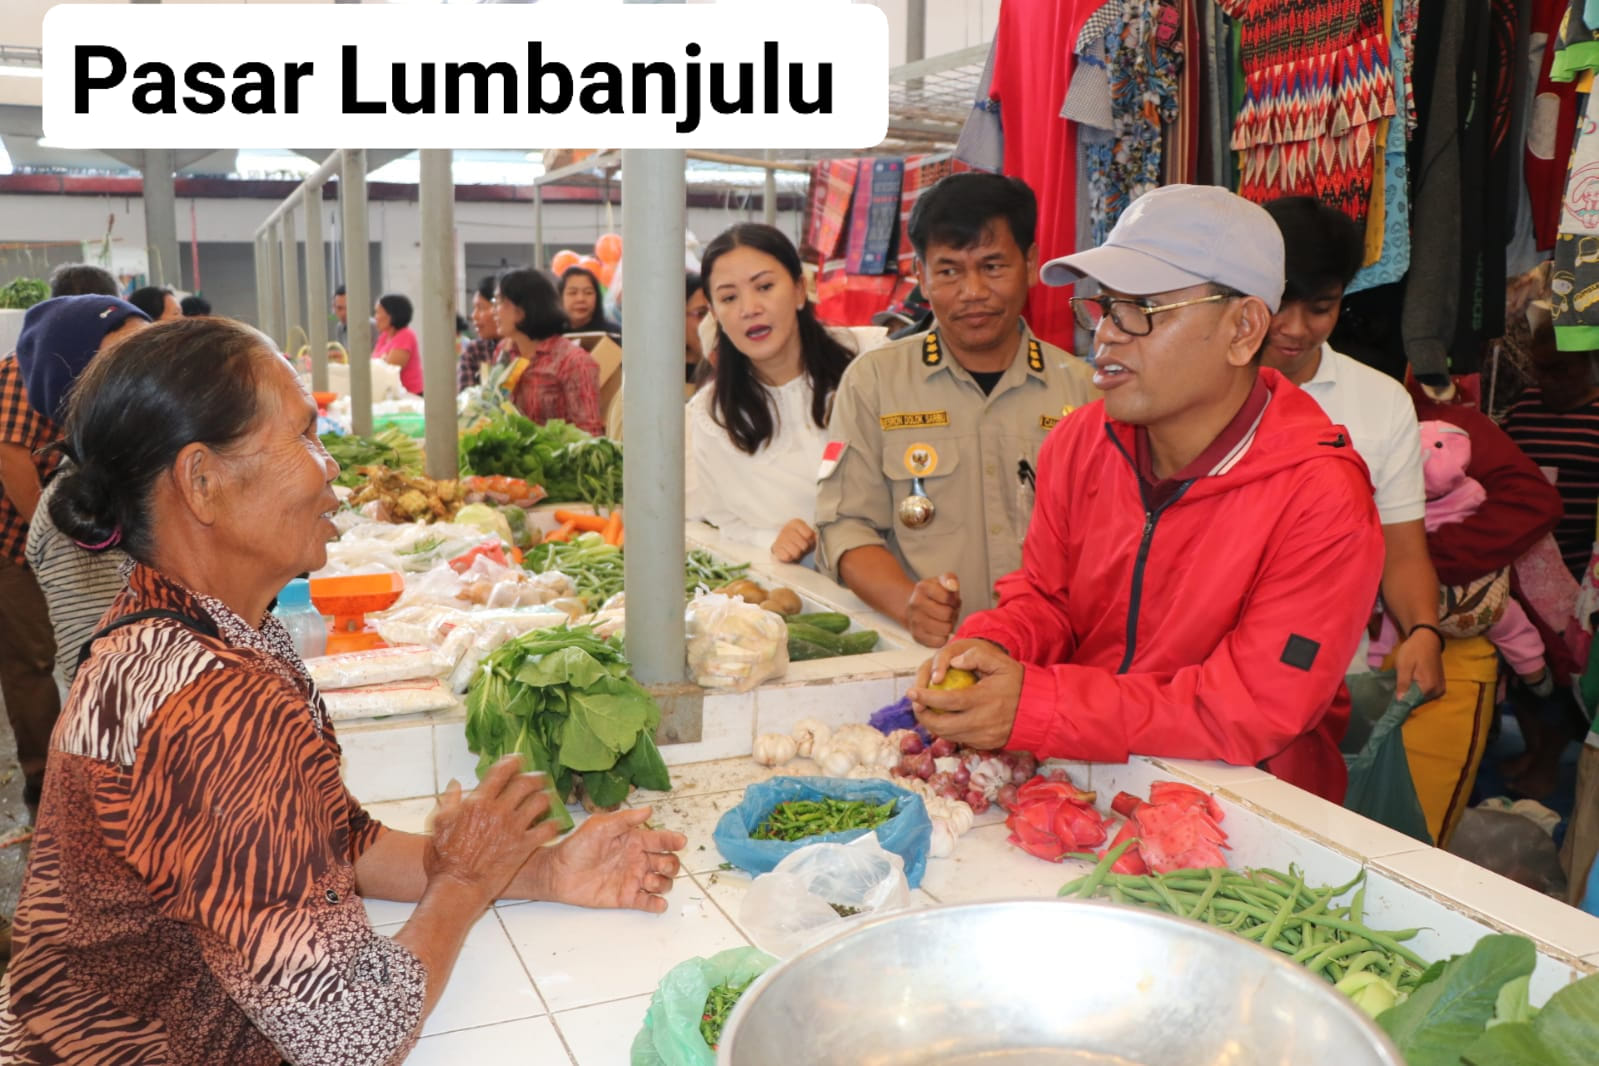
[85,506]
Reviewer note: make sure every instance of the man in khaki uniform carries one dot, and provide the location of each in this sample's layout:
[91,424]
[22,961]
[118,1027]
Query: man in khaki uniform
[926,488]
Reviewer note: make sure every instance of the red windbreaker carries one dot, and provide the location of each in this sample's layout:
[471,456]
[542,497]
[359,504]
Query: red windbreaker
[1218,626]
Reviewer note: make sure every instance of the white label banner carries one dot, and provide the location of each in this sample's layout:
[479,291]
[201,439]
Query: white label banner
[798,74]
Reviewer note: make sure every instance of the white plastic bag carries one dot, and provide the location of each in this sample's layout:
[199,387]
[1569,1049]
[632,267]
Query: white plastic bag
[792,907]
[378,666]
[733,644]
[380,701]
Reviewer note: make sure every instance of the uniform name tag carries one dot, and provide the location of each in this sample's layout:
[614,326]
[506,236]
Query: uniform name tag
[914,419]
[1047,421]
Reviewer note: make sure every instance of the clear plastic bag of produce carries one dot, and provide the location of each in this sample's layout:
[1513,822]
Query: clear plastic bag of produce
[907,832]
[376,666]
[733,644]
[671,1034]
[818,888]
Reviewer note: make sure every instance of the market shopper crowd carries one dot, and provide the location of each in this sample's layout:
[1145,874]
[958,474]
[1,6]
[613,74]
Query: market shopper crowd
[1180,544]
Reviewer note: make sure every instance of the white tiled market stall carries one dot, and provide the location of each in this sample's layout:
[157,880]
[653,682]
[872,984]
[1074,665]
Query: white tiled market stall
[546,984]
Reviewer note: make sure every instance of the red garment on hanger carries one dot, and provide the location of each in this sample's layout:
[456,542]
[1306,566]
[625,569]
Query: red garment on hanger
[1033,58]
[1551,129]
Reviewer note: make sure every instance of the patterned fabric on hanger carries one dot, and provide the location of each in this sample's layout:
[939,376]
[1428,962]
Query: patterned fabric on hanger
[1128,52]
[1317,83]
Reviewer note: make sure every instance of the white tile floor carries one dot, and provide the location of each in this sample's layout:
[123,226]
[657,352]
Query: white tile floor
[561,986]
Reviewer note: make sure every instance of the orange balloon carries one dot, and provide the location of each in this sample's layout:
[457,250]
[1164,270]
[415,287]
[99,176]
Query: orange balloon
[608,248]
[607,272]
[591,264]
[563,261]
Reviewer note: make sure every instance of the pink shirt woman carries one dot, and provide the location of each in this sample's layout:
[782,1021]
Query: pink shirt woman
[396,343]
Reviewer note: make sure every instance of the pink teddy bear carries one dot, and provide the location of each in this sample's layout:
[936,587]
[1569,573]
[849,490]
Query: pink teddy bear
[1484,606]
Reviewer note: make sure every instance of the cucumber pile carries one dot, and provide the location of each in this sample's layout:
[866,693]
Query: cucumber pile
[823,635]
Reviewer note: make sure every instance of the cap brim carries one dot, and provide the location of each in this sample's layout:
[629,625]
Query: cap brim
[1121,269]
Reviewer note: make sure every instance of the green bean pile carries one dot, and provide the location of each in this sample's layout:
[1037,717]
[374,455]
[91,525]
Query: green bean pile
[1271,908]
[701,568]
[798,819]
[718,1005]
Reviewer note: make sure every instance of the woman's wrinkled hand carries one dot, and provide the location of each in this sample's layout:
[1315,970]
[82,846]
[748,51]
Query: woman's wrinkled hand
[483,837]
[611,860]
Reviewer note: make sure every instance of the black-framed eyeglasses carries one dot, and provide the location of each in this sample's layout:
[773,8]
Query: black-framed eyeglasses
[1131,316]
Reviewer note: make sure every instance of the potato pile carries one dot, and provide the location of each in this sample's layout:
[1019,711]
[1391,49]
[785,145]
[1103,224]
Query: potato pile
[781,600]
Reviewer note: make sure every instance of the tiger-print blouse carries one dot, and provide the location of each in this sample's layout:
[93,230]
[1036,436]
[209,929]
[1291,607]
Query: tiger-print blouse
[191,896]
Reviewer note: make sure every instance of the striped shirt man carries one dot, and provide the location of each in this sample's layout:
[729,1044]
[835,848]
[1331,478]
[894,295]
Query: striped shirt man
[1565,445]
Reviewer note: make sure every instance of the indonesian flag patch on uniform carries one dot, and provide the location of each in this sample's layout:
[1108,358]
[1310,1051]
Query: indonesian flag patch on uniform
[830,457]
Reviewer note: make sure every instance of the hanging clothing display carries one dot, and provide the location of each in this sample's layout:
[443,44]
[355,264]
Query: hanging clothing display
[1033,57]
[1578,50]
[1575,281]
[1126,83]
[1391,231]
[1316,84]
[1551,127]
[1446,128]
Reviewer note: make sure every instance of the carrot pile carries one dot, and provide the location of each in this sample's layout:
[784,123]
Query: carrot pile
[572,523]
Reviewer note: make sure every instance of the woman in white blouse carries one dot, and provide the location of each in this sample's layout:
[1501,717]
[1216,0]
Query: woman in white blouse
[756,432]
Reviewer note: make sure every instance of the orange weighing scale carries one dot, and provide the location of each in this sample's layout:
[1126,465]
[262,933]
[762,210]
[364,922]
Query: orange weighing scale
[348,600]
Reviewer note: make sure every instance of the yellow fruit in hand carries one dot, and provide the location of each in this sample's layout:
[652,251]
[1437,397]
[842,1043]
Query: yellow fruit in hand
[956,678]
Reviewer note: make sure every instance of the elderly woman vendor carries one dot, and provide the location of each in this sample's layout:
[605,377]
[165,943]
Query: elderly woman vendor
[194,891]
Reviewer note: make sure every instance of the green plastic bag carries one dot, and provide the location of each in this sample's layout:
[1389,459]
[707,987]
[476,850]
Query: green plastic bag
[1380,785]
[671,1033]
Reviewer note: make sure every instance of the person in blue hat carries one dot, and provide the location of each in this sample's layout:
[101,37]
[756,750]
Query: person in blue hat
[59,337]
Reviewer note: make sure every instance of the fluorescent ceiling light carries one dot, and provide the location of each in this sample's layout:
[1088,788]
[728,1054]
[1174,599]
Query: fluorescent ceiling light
[18,70]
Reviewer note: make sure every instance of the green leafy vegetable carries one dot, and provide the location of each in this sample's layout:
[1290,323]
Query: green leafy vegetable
[1444,1017]
[589,469]
[563,699]
[1513,1004]
[389,447]
[571,465]
[1564,1033]
[23,293]
[718,1005]
[503,443]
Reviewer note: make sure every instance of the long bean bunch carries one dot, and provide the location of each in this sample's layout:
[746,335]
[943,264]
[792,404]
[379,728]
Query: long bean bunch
[1279,910]
[798,819]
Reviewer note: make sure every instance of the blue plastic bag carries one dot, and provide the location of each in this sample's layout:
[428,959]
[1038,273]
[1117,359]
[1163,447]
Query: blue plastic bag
[907,834]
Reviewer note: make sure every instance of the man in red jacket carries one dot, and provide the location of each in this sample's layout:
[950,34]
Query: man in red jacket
[1204,550]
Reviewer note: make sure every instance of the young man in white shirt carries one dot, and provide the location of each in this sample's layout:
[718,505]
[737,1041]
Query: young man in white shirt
[1323,250]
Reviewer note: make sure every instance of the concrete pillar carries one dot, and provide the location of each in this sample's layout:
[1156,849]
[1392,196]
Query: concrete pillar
[161,218]
[263,294]
[769,194]
[538,227]
[437,311]
[274,324]
[316,285]
[293,324]
[652,233]
[357,286]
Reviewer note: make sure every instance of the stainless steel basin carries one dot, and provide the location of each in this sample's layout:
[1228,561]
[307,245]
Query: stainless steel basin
[1042,982]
